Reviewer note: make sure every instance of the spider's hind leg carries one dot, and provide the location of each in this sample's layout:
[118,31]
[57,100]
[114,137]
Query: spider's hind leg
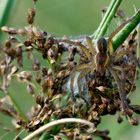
[80,77]
[120,84]
[81,67]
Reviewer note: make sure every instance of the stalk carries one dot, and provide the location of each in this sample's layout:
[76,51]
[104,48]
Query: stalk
[107,19]
[121,36]
[57,122]
[5,7]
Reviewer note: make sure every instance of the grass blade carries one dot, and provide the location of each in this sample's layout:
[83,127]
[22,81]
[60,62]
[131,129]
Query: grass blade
[5,7]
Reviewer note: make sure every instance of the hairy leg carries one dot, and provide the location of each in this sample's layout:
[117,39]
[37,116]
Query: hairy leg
[91,46]
[118,56]
[82,47]
[77,68]
[80,77]
[110,47]
[121,90]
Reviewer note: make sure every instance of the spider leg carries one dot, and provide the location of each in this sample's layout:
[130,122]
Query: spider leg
[72,82]
[121,92]
[133,82]
[120,55]
[80,77]
[78,68]
[110,47]
[118,68]
[91,45]
[82,47]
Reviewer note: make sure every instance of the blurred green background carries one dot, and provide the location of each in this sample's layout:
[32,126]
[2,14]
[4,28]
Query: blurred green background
[71,18]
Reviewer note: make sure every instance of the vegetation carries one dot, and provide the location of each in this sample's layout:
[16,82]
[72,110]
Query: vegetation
[78,80]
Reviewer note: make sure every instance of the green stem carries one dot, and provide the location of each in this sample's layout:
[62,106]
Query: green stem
[5,6]
[121,36]
[21,114]
[57,122]
[107,19]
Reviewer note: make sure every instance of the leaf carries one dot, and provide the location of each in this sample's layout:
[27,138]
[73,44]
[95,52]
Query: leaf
[46,136]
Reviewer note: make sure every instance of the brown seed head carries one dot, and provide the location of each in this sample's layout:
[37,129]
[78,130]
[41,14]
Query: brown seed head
[21,32]
[133,121]
[12,31]
[36,65]
[30,16]
[121,13]
[7,44]
[119,120]
[5,29]
[40,100]
[30,89]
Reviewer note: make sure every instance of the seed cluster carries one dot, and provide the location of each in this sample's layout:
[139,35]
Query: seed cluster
[54,101]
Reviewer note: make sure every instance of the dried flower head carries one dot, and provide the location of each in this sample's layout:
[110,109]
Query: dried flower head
[31,15]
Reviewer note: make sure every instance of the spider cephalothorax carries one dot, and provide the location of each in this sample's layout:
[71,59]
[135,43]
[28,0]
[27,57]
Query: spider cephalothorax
[102,57]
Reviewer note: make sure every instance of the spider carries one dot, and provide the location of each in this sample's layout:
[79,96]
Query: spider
[99,60]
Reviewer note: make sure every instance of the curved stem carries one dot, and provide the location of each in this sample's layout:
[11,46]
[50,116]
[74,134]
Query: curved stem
[121,36]
[56,122]
[107,19]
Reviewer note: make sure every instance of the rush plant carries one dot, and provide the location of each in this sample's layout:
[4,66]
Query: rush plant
[103,67]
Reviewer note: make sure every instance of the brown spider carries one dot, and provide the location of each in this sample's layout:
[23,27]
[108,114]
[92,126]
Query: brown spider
[100,60]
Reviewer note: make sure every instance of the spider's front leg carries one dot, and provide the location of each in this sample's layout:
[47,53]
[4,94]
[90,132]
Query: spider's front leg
[84,50]
[110,47]
[91,46]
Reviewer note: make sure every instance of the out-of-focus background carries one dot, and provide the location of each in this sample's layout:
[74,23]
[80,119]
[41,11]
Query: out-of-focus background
[71,18]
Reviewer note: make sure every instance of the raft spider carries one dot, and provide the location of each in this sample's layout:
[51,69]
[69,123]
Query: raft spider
[100,60]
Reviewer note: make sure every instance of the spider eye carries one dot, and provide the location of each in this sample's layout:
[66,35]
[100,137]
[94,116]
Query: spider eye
[102,45]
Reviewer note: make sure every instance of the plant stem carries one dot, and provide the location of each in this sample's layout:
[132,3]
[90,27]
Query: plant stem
[57,122]
[17,136]
[121,36]
[5,6]
[21,114]
[107,19]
